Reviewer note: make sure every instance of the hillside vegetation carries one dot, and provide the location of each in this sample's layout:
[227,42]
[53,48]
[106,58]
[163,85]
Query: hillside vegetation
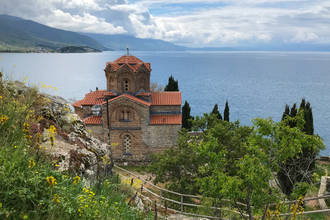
[21,35]
[35,184]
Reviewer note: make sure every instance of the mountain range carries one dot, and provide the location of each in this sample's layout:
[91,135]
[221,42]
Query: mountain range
[20,35]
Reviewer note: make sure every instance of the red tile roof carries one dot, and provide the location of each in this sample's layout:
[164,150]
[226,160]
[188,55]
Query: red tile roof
[92,98]
[144,94]
[128,59]
[165,120]
[92,120]
[77,103]
[166,98]
[131,62]
[132,98]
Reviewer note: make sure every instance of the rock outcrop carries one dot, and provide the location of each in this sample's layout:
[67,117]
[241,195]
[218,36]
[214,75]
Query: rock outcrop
[73,147]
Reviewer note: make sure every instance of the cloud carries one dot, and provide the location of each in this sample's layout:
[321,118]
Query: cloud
[186,22]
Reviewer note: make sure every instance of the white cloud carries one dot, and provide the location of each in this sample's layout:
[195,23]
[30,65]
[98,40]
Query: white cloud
[223,23]
[303,36]
[81,23]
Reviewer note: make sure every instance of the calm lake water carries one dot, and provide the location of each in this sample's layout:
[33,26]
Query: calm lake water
[256,84]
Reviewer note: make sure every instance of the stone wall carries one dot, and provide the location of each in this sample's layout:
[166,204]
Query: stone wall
[165,108]
[138,150]
[160,136]
[134,127]
[86,110]
[79,112]
[139,80]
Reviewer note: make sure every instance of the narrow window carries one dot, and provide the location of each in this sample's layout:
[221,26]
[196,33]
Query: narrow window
[127,144]
[128,116]
[122,116]
[126,86]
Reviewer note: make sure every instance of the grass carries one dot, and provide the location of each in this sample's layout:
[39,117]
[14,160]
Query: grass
[31,187]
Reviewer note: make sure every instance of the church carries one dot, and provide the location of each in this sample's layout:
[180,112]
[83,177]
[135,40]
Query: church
[139,121]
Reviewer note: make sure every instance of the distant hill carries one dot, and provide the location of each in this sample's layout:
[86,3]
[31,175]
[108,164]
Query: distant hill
[21,35]
[77,49]
[120,42]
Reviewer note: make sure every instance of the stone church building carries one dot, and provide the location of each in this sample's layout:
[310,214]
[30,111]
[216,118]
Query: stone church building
[140,121]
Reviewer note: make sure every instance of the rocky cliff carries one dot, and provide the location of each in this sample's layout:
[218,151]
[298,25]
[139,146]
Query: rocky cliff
[72,147]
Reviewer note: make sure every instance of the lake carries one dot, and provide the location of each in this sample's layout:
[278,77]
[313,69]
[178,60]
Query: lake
[256,84]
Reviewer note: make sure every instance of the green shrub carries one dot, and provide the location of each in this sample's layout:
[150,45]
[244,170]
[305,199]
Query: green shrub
[30,185]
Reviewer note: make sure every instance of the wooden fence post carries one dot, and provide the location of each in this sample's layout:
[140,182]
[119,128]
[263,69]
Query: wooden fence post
[181,203]
[156,211]
[160,200]
[165,208]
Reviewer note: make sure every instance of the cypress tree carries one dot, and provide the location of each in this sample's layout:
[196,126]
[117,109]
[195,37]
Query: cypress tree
[299,161]
[172,84]
[302,104]
[286,112]
[216,112]
[186,123]
[308,115]
[293,113]
[226,112]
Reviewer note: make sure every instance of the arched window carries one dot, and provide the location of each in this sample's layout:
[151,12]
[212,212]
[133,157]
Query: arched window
[126,85]
[125,116]
[127,144]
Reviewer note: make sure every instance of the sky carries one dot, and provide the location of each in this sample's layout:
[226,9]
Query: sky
[193,23]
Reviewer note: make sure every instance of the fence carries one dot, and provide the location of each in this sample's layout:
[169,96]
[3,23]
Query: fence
[155,196]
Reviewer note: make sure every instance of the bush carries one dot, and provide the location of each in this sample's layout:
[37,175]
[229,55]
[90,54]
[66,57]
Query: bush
[30,184]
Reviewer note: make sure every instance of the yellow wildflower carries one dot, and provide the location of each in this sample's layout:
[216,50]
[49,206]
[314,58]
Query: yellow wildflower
[3,119]
[51,181]
[0,97]
[31,163]
[76,180]
[25,79]
[51,131]
[56,198]
[15,147]
[57,165]
[25,217]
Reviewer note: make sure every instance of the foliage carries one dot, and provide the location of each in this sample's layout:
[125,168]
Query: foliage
[229,161]
[154,87]
[30,184]
[216,112]
[301,167]
[186,117]
[226,112]
[172,84]
[175,168]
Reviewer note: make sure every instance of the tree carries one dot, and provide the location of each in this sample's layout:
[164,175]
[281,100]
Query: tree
[286,112]
[186,117]
[154,87]
[172,84]
[216,112]
[226,112]
[230,161]
[301,167]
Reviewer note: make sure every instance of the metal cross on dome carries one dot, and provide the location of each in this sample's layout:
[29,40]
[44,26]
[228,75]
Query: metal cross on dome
[127,50]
